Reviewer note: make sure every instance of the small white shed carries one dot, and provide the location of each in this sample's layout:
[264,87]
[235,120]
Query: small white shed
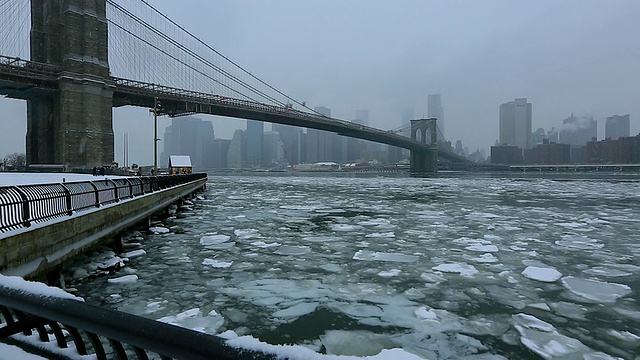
[180,164]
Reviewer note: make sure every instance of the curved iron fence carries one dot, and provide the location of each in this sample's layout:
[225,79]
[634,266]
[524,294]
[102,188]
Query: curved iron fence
[107,334]
[21,206]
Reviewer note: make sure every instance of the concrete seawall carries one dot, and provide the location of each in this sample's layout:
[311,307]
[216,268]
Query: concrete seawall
[34,252]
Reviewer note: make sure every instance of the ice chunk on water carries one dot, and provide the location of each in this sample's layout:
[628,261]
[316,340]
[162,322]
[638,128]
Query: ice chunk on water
[127,279]
[462,269]
[541,274]
[486,258]
[603,271]
[483,248]
[596,290]
[293,250]
[216,263]
[264,245]
[297,310]
[194,320]
[390,273]
[382,256]
[134,253]
[624,335]
[247,233]
[381,235]
[159,230]
[543,339]
[214,239]
[579,242]
[358,343]
[423,313]
[345,227]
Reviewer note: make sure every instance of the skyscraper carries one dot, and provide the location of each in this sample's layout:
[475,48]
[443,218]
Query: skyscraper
[292,144]
[187,135]
[617,126]
[319,142]
[255,131]
[237,155]
[515,123]
[362,117]
[578,131]
[435,110]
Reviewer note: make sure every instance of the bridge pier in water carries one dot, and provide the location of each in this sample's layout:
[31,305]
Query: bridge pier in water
[72,126]
[424,160]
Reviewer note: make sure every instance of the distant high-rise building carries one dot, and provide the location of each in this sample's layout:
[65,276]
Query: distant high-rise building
[515,123]
[362,117]
[237,155]
[319,142]
[187,135]
[272,149]
[218,152]
[578,131]
[435,110]
[538,137]
[617,126]
[255,131]
[292,142]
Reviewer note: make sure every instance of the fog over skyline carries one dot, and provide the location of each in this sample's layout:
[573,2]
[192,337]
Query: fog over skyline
[579,57]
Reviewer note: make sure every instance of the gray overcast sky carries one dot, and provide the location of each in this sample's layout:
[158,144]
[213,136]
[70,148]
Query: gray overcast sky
[579,56]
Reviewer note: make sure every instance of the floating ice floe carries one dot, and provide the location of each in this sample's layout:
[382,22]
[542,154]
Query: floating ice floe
[134,253]
[541,274]
[214,239]
[579,242]
[293,250]
[608,272]
[264,245]
[345,227]
[331,267]
[482,248]
[390,273]
[127,279]
[302,352]
[159,230]
[297,310]
[193,319]
[486,258]
[382,256]
[247,233]
[543,339]
[624,335]
[424,314]
[381,235]
[596,290]
[462,269]
[216,263]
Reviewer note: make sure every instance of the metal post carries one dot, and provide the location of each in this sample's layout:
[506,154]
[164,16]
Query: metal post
[155,135]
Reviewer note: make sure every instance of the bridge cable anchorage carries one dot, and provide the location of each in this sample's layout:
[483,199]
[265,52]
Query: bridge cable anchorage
[224,57]
[188,51]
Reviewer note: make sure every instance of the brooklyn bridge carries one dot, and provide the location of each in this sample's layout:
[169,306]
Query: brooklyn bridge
[87,57]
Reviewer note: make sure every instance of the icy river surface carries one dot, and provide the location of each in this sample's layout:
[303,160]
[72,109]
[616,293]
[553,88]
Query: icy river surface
[474,267]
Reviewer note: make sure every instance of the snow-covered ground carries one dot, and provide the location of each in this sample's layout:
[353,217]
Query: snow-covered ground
[15,178]
[443,268]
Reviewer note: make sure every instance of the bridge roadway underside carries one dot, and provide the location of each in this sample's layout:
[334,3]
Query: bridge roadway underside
[34,252]
[176,107]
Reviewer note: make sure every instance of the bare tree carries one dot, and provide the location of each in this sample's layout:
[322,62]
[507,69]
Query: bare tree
[15,160]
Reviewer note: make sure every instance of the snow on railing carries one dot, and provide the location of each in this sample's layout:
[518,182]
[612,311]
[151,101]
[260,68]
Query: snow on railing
[61,326]
[20,206]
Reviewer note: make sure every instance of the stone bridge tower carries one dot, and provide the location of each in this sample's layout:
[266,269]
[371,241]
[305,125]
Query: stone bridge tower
[425,161]
[74,126]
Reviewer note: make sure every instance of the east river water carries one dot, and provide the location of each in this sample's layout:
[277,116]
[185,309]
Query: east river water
[448,267]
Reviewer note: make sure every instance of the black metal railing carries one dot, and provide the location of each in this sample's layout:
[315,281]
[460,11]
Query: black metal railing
[21,206]
[107,334]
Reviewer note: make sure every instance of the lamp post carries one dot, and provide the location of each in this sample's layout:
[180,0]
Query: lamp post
[156,108]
